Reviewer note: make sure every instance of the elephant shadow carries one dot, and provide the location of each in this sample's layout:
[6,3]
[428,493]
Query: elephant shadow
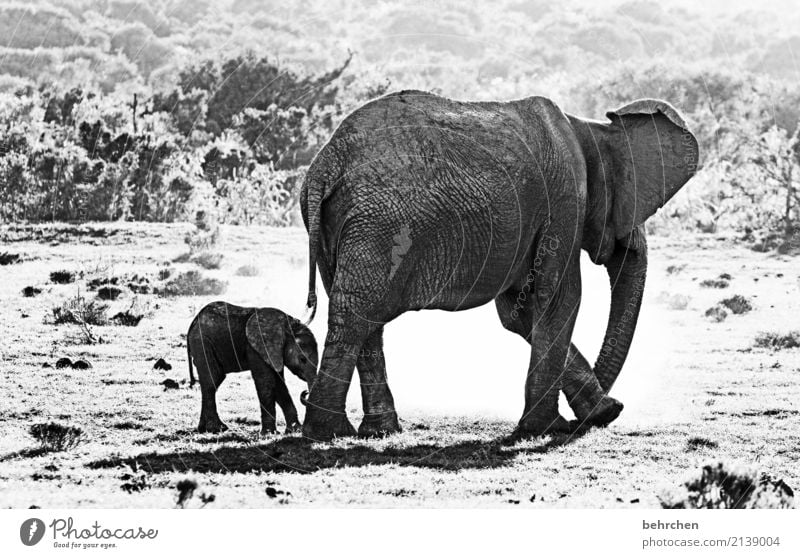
[299,455]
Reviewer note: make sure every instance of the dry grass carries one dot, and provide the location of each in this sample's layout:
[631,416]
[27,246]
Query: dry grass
[140,442]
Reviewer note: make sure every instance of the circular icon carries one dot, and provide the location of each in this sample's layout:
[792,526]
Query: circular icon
[32,531]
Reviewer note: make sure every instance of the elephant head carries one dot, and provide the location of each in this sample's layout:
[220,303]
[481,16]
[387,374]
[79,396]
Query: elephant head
[635,163]
[300,351]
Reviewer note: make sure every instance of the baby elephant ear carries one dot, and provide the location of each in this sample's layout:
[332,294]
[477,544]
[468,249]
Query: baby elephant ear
[266,334]
[654,154]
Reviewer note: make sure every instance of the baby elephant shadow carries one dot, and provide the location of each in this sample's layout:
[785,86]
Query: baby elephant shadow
[299,455]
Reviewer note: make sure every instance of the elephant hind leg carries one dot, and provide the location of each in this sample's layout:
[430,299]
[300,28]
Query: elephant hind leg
[380,417]
[210,375]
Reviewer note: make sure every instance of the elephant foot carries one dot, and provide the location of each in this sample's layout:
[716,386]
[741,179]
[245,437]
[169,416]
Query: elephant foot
[267,429]
[214,425]
[379,425]
[324,426]
[293,427]
[604,413]
[530,427]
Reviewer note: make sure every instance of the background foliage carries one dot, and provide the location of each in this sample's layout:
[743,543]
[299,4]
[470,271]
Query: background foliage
[123,109]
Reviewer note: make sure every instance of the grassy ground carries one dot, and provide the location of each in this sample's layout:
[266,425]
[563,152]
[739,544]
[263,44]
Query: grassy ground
[695,389]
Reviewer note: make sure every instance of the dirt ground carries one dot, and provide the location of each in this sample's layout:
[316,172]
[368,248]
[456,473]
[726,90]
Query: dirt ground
[696,390]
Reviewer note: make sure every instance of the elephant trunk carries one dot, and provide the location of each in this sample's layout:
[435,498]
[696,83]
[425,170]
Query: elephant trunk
[627,269]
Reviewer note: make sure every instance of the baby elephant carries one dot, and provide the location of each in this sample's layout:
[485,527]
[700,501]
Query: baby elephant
[226,338]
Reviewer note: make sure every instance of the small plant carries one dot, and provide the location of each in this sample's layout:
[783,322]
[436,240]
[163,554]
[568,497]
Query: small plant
[165,273]
[674,301]
[79,311]
[207,260]
[187,488]
[108,293]
[675,269]
[134,480]
[193,283]
[206,234]
[716,313]
[247,271]
[6,258]
[720,486]
[29,292]
[95,283]
[721,282]
[126,318]
[775,340]
[62,277]
[698,442]
[737,304]
[53,436]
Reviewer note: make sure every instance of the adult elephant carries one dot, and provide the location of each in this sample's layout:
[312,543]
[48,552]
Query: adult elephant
[418,202]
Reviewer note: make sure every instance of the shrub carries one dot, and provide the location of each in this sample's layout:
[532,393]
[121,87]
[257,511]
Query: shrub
[108,293]
[775,340]
[720,486]
[53,436]
[29,291]
[698,442]
[737,304]
[716,313]
[6,258]
[247,271]
[127,319]
[718,283]
[62,277]
[193,283]
[674,301]
[134,480]
[79,311]
[208,260]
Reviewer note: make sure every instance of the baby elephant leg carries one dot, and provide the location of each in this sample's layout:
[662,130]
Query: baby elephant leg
[210,375]
[266,381]
[286,404]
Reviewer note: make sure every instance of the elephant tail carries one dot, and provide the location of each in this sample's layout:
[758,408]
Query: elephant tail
[192,379]
[315,190]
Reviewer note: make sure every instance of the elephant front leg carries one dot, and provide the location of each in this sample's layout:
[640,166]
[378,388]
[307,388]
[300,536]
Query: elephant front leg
[326,416]
[284,400]
[584,393]
[554,305]
[380,417]
[266,381]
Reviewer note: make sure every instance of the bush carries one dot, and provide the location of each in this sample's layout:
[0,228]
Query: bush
[716,313]
[53,436]
[193,283]
[737,304]
[108,293]
[720,486]
[6,258]
[29,291]
[79,311]
[127,319]
[62,277]
[247,271]
[207,260]
[775,340]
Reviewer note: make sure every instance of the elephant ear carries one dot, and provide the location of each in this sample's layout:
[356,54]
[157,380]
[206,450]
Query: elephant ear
[266,334]
[654,154]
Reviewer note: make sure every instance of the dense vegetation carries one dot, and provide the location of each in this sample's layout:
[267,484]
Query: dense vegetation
[121,109]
